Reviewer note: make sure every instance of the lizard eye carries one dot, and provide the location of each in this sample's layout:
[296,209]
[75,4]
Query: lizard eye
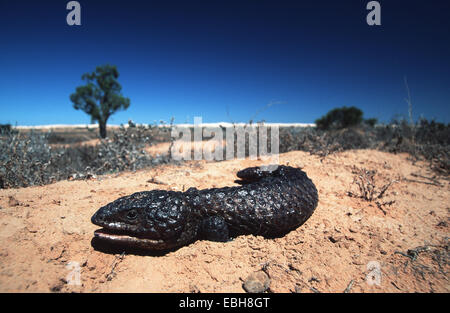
[132,214]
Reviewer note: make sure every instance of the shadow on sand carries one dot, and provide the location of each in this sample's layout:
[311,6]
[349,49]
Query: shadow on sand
[109,248]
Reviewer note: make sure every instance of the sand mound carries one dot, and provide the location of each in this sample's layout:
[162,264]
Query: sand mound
[348,243]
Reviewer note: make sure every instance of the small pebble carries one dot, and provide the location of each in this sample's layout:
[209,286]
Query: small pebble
[13,201]
[256,282]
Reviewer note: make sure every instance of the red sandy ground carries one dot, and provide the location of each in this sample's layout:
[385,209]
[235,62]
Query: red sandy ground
[45,228]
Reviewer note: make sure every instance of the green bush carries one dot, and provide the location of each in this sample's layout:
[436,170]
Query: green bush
[6,129]
[340,118]
[371,121]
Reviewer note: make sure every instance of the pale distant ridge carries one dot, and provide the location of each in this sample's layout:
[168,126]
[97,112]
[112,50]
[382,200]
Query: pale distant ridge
[223,124]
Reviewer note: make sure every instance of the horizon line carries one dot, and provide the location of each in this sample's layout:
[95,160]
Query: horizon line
[218,124]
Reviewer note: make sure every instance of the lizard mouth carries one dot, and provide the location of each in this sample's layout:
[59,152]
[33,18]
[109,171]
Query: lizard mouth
[111,234]
[118,236]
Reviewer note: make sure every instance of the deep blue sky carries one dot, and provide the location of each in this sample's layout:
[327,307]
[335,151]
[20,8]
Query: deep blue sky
[226,60]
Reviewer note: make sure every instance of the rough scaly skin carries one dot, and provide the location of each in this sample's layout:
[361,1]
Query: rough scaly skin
[270,203]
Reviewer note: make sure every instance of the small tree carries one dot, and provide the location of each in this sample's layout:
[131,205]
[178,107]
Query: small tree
[340,118]
[101,96]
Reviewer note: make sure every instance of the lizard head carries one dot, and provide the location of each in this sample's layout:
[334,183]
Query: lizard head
[153,220]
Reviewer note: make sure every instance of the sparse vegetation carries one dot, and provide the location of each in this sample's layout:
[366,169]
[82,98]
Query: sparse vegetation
[27,160]
[365,180]
[427,141]
[367,189]
[35,158]
[438,255]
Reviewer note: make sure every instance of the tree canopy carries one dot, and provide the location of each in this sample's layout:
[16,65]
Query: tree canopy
[101,97]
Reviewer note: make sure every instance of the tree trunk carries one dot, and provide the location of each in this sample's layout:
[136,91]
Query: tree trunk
[102,127]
